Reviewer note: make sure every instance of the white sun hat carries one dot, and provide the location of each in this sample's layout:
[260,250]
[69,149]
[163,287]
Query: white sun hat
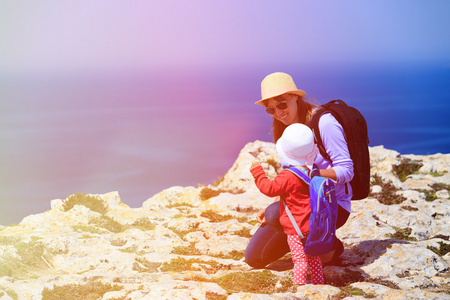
[296,146]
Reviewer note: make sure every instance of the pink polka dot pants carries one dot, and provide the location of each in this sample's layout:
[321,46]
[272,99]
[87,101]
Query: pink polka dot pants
[303,262]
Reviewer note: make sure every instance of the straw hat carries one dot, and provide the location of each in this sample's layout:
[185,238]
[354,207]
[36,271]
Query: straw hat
[296,146]
[277,84]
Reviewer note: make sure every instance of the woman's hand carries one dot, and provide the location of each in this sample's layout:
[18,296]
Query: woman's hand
[260,217]
[314,171]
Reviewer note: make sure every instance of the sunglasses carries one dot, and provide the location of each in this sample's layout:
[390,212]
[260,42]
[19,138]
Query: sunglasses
[280,105]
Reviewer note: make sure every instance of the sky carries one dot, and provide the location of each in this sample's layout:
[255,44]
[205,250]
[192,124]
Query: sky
[77,36]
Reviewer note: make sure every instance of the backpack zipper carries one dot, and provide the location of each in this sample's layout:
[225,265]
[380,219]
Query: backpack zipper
[318,194]
[326,233]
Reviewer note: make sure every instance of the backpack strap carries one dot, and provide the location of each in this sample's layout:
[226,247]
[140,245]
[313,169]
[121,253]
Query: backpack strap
[314,124]
[291,217]
[300,173]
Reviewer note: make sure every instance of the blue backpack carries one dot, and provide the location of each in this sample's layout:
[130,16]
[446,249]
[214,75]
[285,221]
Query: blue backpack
[324,210]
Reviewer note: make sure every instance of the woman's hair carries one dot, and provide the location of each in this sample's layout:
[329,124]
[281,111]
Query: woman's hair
[305,111]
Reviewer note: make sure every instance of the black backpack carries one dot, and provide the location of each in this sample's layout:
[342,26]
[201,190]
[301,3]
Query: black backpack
[355,133]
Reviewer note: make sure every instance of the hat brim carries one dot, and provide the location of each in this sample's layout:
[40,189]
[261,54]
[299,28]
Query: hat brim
[297,92]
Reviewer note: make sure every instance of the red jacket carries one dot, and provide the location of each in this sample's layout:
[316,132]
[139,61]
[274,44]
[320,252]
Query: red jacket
[295,193]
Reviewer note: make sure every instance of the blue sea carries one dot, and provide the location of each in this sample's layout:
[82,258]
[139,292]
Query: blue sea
[140,132]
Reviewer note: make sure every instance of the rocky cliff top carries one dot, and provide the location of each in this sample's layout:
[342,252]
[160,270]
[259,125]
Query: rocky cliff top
[189,242]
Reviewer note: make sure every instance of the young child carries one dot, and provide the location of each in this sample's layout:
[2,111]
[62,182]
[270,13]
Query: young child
[296,148]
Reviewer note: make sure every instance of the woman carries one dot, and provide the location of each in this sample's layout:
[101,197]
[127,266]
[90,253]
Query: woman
[287,106]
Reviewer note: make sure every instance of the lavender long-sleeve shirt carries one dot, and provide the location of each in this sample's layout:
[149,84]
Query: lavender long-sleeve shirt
[334,142]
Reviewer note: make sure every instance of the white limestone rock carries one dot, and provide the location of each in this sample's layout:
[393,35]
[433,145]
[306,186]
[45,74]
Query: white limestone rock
[239,177]
[78,245]
[171,196]
[222,244]
[397,259]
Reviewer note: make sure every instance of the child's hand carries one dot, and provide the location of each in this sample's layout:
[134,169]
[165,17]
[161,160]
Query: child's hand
[254,165]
